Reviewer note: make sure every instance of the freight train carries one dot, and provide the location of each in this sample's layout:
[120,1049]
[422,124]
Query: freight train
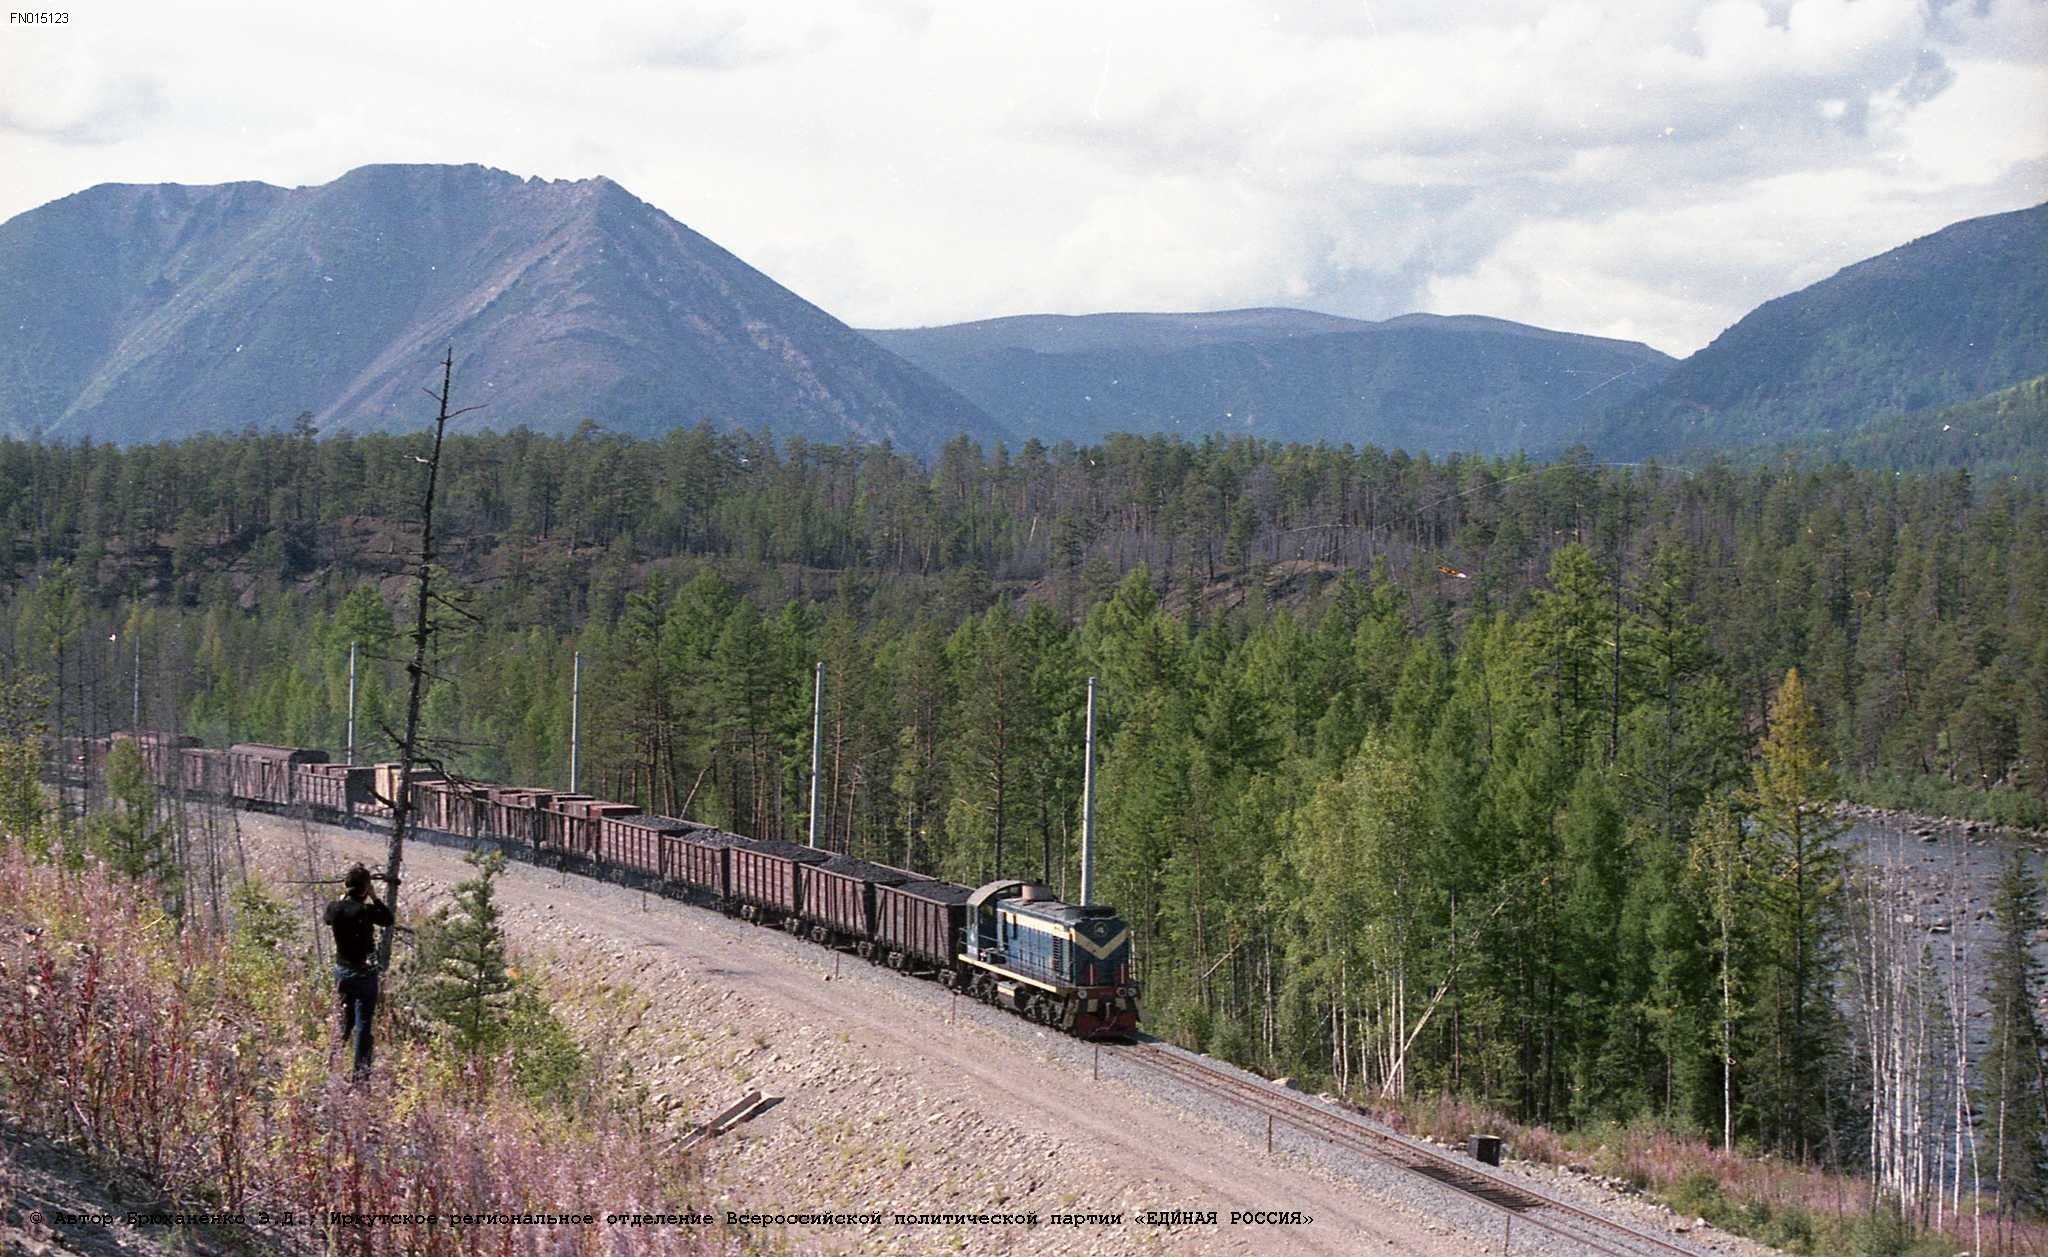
[1009,943]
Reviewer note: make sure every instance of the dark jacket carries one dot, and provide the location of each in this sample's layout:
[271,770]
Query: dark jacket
[352,921]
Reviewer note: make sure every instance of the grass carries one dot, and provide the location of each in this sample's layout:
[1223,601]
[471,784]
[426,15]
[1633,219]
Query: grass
[1802,1209]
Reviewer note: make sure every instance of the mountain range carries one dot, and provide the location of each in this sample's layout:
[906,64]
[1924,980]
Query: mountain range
[155,311]
[1418,382]
[145,312]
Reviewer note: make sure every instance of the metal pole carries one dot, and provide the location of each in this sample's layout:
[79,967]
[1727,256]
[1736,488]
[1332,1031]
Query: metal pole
[1088,806]
[135,720]
[351,702]
[817,739]
[575,715]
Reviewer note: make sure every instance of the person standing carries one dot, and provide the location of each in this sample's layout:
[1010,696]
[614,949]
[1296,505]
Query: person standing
[354,918]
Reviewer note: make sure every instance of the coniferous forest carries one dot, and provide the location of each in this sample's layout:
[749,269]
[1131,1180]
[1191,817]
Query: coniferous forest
[1509,780]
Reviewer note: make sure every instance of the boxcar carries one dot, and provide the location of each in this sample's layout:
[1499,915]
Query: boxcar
[837,897]
[762,878]
[633,840]
[566,826]
[917,924]
[384,780]
[569,823]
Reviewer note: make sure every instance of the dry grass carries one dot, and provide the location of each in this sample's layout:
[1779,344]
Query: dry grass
[207,1065]
[1801,1208]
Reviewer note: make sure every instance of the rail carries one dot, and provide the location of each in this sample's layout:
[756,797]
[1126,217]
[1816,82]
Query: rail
[1522,1204]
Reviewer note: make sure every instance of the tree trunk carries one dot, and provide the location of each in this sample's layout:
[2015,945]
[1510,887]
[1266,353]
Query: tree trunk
[422,636]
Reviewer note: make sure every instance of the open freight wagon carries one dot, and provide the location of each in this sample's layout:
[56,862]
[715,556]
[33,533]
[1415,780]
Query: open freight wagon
[917,926]
[762,880]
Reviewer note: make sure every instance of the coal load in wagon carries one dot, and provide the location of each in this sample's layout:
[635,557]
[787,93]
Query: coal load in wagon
[838,894]
[921,920]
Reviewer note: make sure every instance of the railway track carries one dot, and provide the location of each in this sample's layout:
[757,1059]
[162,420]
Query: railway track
[1524,1208]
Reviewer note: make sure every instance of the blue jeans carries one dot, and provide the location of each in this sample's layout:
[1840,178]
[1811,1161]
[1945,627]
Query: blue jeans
[358,991]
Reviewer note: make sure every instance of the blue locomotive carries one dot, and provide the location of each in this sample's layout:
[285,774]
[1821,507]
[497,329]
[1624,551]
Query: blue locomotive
[1061,964]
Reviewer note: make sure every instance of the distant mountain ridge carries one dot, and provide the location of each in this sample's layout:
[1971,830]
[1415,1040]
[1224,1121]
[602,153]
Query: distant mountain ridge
[1941,320]
[143,312]
[1418,382]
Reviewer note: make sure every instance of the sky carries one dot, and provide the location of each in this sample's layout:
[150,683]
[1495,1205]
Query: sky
[1649,170]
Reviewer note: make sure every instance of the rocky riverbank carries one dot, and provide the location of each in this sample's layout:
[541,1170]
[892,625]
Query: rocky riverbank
[1933,828]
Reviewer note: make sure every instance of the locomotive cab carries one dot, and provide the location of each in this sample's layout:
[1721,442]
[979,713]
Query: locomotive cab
[1063,964]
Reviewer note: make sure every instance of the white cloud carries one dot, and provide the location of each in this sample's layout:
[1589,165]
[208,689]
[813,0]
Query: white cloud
[1651,169]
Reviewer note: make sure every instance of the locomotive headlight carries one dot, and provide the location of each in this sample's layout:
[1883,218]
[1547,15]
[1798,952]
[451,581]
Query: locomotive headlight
[1127,992]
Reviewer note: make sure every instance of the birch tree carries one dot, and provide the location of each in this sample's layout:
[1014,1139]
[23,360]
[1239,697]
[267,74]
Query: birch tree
[1722,870]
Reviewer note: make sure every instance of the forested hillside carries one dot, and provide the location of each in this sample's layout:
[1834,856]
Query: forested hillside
[2000,434]
[1932,323]
[1502,758]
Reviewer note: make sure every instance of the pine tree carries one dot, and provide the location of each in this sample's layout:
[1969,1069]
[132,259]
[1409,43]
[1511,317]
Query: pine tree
[2010,1084]
[22,802]
[996,733]
[469,984]
[1793,802]
[1569,640]
[1594,868]
[129,835]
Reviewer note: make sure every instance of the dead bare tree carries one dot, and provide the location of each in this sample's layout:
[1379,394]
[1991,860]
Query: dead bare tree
[422,635]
